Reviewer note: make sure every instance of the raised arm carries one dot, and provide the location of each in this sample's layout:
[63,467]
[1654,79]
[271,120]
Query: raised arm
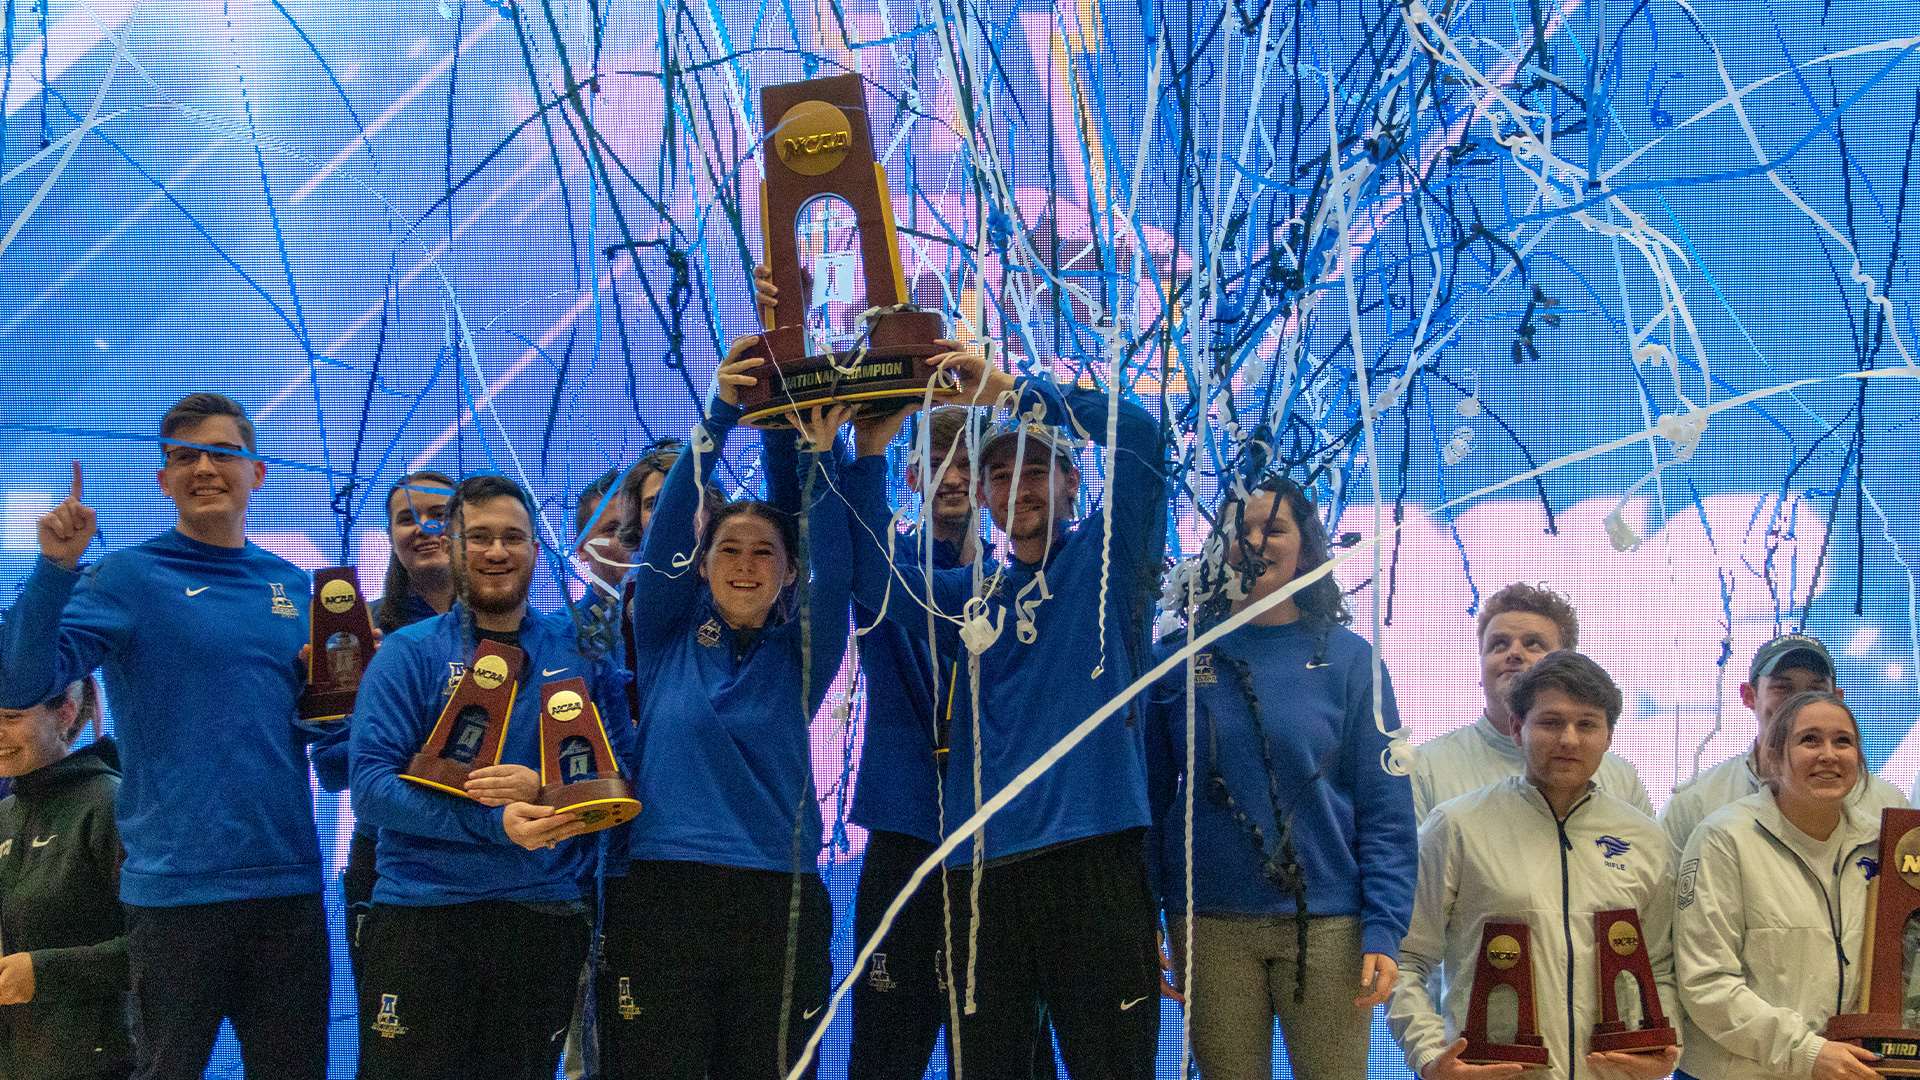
[666,582]
[64,622]
[399,700]
[890,572]
[828,537]
[1137,489]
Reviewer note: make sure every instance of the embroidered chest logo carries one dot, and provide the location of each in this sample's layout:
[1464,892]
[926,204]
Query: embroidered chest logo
[1683,895]
[629,1008]
[1869,867]
[709,633]
[1611,850]
[878,978]
[456,670]
[1203,673]
[388,1022]
[282,606]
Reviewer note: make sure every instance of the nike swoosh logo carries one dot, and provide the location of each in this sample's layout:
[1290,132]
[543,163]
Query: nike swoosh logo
[45,840]
[198,591]
[545,674]
[1125,1005]
[811,1013]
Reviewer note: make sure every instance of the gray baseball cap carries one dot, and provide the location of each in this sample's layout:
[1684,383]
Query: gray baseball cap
[1790,651]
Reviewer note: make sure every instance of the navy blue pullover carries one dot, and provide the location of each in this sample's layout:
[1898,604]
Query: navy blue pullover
[724,763]
[200,649]
[1031,694]
[1353,828]
[437,848]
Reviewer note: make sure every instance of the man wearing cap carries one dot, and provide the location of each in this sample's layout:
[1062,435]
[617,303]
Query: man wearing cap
[900,1003]
[1025,653]
[1783,667]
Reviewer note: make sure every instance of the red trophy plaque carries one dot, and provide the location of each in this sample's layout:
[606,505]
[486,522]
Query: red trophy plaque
[1892,897]
[819,144]
[473,724]
[1506,959]
[1620,946]
[339,645]
[578,773]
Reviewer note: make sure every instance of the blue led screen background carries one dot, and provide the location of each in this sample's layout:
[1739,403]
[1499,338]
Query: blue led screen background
[1617,296]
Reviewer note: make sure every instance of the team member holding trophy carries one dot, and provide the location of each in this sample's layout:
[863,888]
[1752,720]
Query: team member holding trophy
[1546,884]
[198,633]
[1066,917]
[717,935]
[419,585]
[473,947]
[1769,931]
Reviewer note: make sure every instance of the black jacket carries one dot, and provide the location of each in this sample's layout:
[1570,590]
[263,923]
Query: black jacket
[60,900]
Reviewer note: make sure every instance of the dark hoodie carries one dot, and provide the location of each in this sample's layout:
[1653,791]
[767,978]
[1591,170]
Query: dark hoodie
[60,900]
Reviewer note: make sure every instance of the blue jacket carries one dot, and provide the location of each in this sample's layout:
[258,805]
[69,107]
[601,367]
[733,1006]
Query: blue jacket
[724,762]
[437,848]
[199,646]
[1083,653]
[896,789]
[1353,827]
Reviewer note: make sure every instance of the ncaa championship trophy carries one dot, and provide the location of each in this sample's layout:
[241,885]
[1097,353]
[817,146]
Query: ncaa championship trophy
[819,144]
[1892,898]
[340,645]
[1506,960]
[578,773]
[473,724]
[1619,945]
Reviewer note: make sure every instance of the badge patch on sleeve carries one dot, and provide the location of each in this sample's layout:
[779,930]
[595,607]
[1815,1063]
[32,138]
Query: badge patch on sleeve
[1688,871]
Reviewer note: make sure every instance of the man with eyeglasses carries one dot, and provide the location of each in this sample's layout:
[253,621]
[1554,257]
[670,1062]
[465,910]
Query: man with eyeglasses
[473,948]
[197,632]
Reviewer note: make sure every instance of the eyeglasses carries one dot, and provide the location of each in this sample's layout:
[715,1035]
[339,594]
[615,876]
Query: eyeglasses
[480,540]
[185,457]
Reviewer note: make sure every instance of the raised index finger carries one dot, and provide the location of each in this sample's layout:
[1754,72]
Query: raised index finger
[76,492]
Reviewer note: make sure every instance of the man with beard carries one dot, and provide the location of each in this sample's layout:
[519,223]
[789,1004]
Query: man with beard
[197,632]
[478,930]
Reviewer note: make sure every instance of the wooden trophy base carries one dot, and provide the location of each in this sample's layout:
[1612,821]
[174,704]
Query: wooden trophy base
[599,804]
[889,373]
[1530,1050]
[1898,1047]
[326,706]
[1620,1039]
[442,774]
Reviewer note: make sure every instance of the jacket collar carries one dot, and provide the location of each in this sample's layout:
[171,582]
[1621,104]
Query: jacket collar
[94,759]
[1857,825]
[1497,741]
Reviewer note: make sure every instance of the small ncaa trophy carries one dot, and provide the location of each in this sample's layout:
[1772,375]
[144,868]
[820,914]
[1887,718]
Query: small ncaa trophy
[1892,898]
[578,773]
[473,724]
[1506,959]
[819,144]
[1619,945]
[339,645]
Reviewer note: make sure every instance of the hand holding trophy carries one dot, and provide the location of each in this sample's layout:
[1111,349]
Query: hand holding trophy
[819,146]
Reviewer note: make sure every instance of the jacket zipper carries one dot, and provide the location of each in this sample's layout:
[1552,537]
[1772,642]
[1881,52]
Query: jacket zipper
[1566,928]
[1840,960]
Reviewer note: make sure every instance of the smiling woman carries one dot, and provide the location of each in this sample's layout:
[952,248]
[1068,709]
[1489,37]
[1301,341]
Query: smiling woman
[65,969]
[1773,900]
